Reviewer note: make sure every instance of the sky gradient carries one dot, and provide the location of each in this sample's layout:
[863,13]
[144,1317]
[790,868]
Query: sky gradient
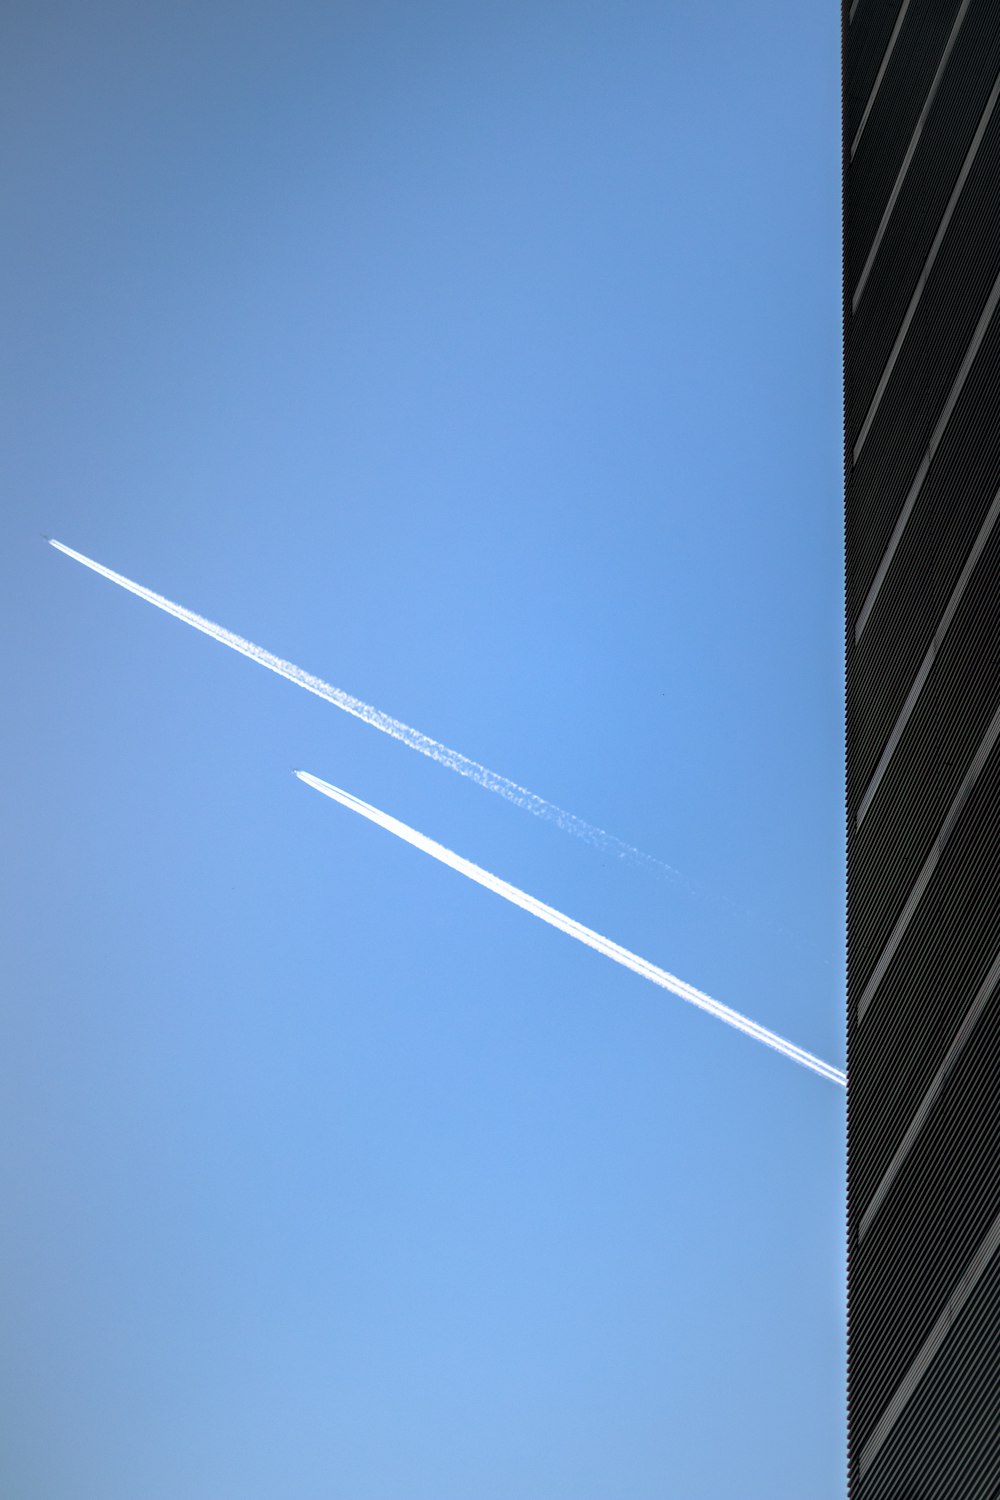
[485,361]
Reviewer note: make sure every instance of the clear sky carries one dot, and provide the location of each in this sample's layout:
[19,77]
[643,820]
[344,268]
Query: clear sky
[484,360]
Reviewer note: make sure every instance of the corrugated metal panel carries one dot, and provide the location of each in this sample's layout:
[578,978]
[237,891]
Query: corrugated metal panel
[941,150]
[948,721]
[947,516]
[940,1206]
[917,419]
[938,967]
[953,293]
[894,117]
[851,54]
[923,869]
[870,31]
[966,454]
[986,996]
[946,1443]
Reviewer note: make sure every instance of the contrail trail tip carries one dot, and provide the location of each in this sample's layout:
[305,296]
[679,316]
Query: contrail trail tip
[574,929]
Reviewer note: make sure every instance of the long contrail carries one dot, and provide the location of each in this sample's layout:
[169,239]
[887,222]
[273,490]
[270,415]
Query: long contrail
[576,930]
[412,738]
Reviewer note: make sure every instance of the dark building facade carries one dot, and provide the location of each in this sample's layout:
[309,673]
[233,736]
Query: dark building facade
[922,520]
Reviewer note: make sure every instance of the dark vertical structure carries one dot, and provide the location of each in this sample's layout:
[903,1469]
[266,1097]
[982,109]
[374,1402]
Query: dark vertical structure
[922,453]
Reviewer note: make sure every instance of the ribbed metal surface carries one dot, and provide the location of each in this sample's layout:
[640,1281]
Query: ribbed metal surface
[946,1443]
[922,532]
[910,232]
[909,419]
[893,120]
[939,966]
[926,185]
[869,33]
[955,1169]
[942,733]
[943,524]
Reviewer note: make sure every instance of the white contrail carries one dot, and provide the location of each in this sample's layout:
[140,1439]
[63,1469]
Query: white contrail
[576,929]
[412,738]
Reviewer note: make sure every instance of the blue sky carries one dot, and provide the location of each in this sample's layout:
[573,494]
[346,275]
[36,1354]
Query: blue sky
[485,361]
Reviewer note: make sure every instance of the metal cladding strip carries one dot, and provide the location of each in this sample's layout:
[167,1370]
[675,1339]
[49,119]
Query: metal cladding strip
[938,1082]
[907,159]
[931,1345]
[930,1225]
[928,263]
[928,661]
[969,780]
[946,1444]
[846,17]
[881,73]
[925,463]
